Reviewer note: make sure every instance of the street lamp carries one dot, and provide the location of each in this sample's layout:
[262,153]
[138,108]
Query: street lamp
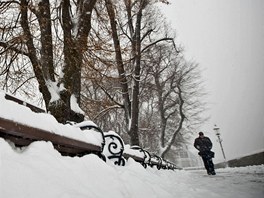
[217,129]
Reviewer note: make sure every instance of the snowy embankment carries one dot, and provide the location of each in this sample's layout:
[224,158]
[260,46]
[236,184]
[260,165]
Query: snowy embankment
[40,171]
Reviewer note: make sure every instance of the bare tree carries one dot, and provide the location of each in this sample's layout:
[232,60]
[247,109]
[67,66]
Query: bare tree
[52,36]
[132,30]
[119,60]
[176,86]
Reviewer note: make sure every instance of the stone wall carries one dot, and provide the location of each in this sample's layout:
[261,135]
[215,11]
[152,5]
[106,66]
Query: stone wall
[250,160]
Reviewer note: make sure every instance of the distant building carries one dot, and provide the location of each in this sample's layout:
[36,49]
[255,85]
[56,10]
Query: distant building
[183,157]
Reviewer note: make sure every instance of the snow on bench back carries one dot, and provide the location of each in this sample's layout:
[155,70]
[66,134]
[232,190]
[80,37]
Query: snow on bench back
[21,114]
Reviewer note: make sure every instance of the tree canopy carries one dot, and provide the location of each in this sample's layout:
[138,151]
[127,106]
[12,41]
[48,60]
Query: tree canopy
[117,60]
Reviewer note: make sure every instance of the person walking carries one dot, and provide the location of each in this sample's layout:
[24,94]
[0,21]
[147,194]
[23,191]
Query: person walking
[204,145]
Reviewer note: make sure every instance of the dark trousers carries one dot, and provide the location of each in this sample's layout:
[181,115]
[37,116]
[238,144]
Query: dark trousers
[208,163]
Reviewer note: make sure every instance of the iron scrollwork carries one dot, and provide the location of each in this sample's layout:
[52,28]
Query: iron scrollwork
[114,148]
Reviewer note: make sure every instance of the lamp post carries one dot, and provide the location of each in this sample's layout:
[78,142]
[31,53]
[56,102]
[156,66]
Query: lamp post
[217,129]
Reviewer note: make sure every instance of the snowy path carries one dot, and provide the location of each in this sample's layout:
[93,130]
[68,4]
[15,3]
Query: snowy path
[244,182]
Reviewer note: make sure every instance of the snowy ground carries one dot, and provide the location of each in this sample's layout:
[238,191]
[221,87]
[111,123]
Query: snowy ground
[40,171]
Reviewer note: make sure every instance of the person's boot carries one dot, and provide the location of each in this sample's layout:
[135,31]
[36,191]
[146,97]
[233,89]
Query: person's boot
[213,172]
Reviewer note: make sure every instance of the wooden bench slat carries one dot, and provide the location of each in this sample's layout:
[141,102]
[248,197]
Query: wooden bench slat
[136,158]
[26,132]
[32,107]
[18,141]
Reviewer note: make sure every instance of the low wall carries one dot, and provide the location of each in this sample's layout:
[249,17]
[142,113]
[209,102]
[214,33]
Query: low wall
[250,160]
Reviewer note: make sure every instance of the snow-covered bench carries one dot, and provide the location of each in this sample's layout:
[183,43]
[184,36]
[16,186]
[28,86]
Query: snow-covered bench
[22,125]
[146,159]
[138,154]
[22,135]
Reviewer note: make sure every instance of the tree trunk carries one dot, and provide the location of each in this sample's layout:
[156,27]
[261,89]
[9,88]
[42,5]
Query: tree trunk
[136,53]
[32,54]
[74,47]
[182,118]
[119,61]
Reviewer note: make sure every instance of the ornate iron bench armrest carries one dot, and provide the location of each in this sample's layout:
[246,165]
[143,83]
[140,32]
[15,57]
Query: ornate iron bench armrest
[87,126]
[140,155]
[156,161]
[114,148]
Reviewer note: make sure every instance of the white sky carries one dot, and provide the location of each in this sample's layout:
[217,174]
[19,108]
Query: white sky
[227,39]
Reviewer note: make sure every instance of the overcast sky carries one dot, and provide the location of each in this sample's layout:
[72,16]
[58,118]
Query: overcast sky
[226,38]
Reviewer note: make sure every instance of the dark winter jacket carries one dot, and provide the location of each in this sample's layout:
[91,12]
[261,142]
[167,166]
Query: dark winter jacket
[203,144]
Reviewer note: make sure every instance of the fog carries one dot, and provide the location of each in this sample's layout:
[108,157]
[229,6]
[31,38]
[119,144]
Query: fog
[226,38]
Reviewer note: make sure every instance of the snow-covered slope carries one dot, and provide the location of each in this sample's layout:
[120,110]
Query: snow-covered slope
[40,171]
